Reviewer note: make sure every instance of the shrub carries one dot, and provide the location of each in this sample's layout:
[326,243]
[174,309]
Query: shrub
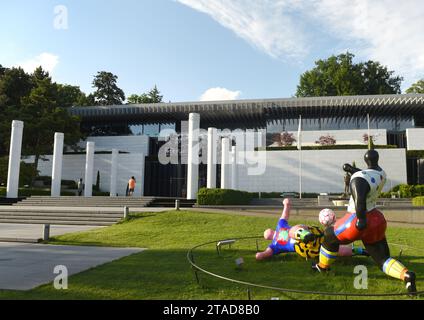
[70,184]
[418,201]
[326,141]
[223,197]
[409,191]
[334,147]
[287,139]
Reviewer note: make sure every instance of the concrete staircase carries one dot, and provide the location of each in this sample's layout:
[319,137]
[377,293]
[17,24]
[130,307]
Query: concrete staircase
[95,211]
[61,216]
[75,202]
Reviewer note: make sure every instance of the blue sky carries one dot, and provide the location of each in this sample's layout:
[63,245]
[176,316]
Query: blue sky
[209,49]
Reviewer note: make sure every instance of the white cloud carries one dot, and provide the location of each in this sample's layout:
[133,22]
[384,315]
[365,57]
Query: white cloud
[46,60]
[266,24]
[388,31]
[219,94]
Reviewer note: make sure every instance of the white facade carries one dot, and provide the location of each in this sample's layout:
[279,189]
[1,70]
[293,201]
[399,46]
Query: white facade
[415,138]
[128,165]
[321,170]
[345,137]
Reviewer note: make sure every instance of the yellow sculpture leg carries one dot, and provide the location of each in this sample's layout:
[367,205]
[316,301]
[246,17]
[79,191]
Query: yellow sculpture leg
[395,269]
[326,258]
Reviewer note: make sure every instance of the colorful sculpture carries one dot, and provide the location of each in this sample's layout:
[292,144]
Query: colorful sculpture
[304,240]
[364,222]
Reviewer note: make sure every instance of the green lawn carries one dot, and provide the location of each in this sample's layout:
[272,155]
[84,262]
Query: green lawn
[162,272]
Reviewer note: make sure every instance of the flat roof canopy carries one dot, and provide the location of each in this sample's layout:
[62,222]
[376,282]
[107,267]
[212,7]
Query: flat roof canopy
[258,112]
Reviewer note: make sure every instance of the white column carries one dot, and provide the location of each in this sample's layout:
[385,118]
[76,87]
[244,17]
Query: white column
[57,164]
[89,168]
[193,156]
[14,159]
[139,189]
[234,168]
[212,160]
[225,164]
[114,172]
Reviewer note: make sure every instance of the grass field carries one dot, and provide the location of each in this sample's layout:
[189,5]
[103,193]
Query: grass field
[162,272]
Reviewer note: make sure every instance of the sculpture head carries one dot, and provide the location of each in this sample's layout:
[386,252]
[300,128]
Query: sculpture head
[269,234]
[371,158]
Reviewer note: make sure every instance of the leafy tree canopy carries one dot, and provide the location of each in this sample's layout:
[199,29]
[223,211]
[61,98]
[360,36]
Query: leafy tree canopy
[417,87]
[340,76]
[42,107]
[107,91]
[153,96]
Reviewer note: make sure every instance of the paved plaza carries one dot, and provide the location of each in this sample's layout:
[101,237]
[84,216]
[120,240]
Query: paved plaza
[27,266]
[32,233]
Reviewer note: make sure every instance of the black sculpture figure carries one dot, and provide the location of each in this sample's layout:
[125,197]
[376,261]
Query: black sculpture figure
[364,222]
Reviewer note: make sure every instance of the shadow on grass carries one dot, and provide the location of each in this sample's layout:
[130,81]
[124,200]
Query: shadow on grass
[166,274]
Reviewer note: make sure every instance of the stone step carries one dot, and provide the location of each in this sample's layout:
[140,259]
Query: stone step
[60,210]
[57,221]
[112,216]
[65,221]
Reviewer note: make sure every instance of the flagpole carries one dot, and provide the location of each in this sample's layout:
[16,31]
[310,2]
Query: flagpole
[299,147]
[369,130]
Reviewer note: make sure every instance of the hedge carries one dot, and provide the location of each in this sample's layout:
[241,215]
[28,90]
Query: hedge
[415,154]
[233,197]
[418,201]
[47,181]
[334,147]
[405,191]
[223,197]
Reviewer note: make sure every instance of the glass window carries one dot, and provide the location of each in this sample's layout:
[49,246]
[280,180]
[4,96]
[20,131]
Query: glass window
[330,124]
[405,123]
[151,130]
[136,130]
[276,126]
[165,126]
[386,123]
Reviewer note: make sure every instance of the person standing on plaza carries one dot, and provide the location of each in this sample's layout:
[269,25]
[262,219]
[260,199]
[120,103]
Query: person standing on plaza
[80,187]
[131,186]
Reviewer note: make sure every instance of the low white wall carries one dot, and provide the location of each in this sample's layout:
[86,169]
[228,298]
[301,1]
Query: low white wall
[322,170]
[128,165]
[343,136]
[415,138]
[131,144]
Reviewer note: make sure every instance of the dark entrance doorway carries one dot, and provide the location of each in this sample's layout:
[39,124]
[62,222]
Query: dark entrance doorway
[168,180]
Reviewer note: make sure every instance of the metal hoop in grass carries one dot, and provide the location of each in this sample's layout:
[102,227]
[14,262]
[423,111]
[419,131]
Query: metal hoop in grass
[249,285]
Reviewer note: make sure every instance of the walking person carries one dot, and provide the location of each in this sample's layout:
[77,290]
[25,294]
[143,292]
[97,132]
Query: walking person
[80,187]
[131,186]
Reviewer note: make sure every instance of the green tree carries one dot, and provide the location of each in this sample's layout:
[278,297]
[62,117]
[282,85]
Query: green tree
[14,85]
[2,70]
[107,91]
[137,99]
[43,116]
[153,96]
[340,76]
[417,87]
[70,95]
